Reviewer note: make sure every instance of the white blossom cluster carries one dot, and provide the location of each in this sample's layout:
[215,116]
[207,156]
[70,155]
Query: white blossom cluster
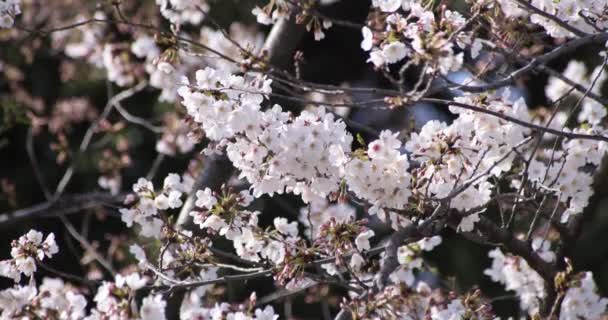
[412,31]
[592,112]
[381,178]
[567,176]
[191,309]
[475,143]
[146,211]
[580,302]
[272,12]
[183,11]
[588,16]
[566,172]
[418,302]
[8,10]
[410,259]
[26,252]
[273,150]
[361,243]
[166,68]
[516,275]
[225,221]
[282,9]
[53,299]
[112,299]
[583,301]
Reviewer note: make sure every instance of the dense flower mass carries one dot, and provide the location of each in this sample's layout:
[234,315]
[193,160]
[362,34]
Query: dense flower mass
[401,37]
[293,152]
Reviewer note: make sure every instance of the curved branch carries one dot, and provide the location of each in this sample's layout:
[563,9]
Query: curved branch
[536,63]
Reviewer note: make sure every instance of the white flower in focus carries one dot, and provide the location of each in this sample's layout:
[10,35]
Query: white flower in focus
[286,228]
[205,199]
[362,240]
[394,52]
[161,202]
[376,58]
[143,185]
[50,246]
[174,200]
[245,198]
[26,265]
[368,39]
[274,251]
[214,222]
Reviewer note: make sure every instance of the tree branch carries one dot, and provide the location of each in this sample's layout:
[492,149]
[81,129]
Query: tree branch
[64,205]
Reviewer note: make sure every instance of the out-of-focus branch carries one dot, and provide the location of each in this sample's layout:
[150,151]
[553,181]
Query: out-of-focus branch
[64,205]
[529,125]
[84,144]
[536,63]
[531,8]
[87,245]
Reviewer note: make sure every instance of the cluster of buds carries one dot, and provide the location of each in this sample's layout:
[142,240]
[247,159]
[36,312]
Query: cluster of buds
[339,238]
